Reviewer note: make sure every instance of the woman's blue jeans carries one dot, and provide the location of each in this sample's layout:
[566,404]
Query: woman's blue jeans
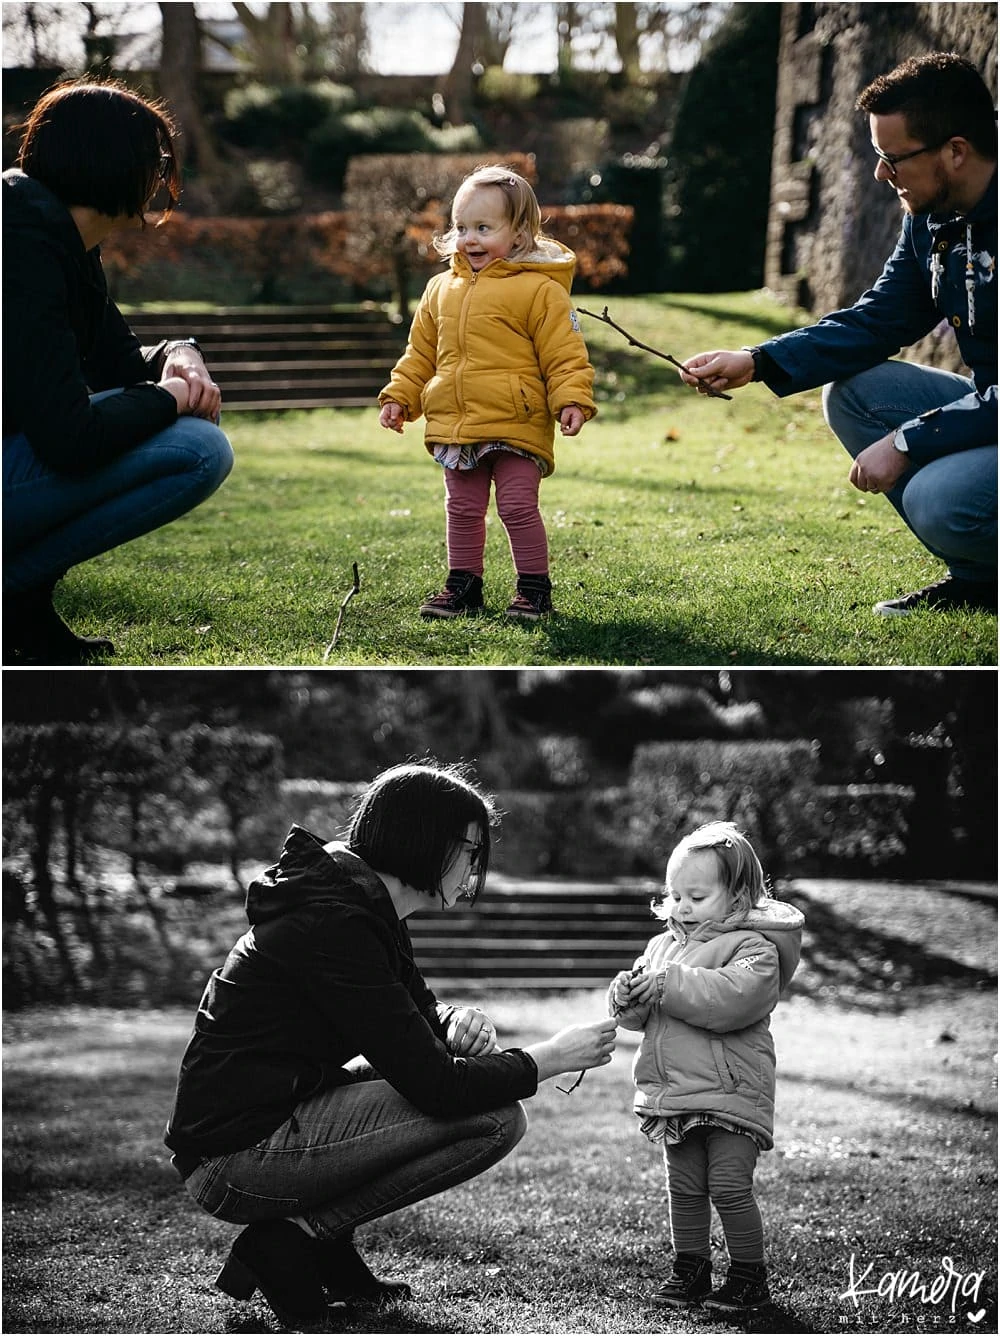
[52,521]
[950,503]
[350,1155]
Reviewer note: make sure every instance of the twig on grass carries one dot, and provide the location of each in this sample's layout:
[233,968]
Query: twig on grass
[354,589]
[606,319]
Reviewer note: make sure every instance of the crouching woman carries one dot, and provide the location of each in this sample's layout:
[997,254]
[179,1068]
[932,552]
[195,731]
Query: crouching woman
[324,1085]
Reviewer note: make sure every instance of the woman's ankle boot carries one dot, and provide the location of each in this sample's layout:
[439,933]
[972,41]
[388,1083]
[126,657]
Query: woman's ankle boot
[277,1258]
[34,633]
[347,1276]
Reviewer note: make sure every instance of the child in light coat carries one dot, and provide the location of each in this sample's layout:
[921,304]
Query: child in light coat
[705,1072]
[495,357]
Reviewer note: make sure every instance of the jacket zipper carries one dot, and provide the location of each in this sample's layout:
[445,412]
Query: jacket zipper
[460,372]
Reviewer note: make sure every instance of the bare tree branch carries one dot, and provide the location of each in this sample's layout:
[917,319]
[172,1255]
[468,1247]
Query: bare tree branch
[667,357]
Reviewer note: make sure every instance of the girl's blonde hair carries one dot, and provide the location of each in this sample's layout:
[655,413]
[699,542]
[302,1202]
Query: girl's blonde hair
[740,871]
[523,211]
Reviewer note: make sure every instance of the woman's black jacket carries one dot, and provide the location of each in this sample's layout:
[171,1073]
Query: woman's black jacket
[324,974]
[64,338]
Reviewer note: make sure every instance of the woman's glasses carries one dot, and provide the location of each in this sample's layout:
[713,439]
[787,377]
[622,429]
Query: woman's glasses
[475,862]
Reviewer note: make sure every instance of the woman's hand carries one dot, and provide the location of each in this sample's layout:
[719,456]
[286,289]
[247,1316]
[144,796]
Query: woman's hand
[392,416]
[577,1048]
[204,396]
[471,1033]
[178,387]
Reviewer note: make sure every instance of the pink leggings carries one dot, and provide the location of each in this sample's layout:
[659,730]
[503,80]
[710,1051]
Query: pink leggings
[467,497]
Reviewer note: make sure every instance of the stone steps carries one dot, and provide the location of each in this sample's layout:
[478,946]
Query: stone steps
[299,357]
[522,935]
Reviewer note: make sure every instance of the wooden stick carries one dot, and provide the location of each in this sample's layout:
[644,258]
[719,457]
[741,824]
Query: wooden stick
[712,394]
[354,589]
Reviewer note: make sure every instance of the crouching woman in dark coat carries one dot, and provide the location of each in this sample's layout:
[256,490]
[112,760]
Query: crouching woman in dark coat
[324,1085]
[103,440]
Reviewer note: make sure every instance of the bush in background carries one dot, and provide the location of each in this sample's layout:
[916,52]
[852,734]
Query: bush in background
[264,116]
[766,788]
[720,158]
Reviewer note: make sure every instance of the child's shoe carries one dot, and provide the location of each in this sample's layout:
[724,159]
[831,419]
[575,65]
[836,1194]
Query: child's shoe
[688,1283]
[461,596]
[533,598]
[744,1291]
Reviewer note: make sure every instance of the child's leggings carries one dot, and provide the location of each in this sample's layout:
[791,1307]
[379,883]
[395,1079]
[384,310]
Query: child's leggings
[467,497]
[711,1164]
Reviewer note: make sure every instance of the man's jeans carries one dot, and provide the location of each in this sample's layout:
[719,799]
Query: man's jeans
[53,521]
[350,1155]
[950,503]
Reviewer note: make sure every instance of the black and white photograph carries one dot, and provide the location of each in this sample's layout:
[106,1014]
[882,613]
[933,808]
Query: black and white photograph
[437,902]
[376,1001]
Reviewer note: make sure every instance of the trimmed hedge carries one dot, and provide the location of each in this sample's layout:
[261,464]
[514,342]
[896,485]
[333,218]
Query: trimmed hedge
[232,260]
[766,788]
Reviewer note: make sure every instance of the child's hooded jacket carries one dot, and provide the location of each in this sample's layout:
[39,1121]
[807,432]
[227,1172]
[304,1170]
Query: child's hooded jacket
[324,974]
[496,354]
[706,1046]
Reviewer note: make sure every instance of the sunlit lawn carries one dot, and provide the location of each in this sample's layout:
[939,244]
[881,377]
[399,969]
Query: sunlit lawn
[885,1153]
[682,531]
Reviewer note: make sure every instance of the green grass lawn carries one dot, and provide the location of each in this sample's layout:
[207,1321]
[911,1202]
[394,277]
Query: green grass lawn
[683,530]
[885,1153]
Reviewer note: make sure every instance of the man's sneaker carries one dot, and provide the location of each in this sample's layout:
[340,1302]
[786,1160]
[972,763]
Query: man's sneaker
[688,1283]
[533,598]
[943,596]
[461,596]
[744,1291]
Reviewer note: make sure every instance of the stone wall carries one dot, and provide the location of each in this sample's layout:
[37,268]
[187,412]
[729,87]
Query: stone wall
[831,224]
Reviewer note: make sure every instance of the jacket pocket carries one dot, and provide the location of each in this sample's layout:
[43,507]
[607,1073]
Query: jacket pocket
[524,399]
[726,1070]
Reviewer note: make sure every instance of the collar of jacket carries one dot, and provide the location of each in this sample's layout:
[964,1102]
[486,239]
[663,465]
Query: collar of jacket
[982,211]
[29,201]
[309,872]
[551,258]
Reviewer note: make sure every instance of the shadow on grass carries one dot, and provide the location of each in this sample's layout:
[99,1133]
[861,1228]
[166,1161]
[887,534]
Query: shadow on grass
[866,966]
[915,1102]
[747,319]
[578,639]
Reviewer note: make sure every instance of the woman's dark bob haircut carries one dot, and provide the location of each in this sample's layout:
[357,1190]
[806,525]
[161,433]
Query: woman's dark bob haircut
[411,820]
[98,144]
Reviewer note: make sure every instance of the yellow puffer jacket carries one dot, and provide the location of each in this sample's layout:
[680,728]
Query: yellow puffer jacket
[496,355]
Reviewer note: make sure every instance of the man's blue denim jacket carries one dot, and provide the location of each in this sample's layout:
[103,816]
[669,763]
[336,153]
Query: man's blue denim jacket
[900,309]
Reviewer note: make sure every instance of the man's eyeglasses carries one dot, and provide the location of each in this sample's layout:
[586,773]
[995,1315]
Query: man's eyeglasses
[892,160]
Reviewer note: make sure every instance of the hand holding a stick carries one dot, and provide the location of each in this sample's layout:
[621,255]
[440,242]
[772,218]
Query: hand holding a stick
[718,370]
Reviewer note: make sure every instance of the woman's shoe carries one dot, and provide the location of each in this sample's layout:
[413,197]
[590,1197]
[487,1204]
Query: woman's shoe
[34,633]
[277,1258]
[346,1275]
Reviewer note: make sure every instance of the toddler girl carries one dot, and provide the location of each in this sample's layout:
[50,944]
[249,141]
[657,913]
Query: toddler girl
[704,1071]
[495,355]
